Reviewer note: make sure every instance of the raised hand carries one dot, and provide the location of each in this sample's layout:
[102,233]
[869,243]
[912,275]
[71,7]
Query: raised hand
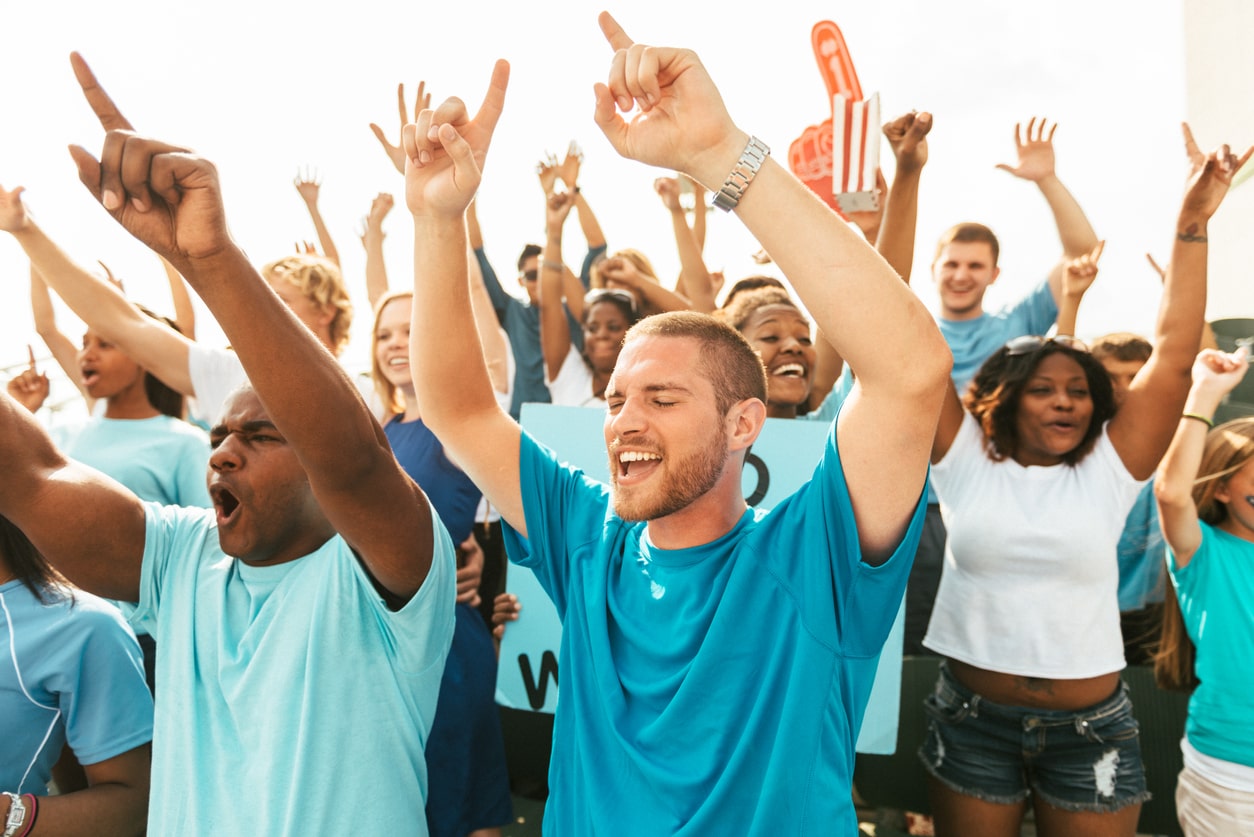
[1079,273]
[682,123]
[907,137]
[1210,176]
[421,102]
[31,387]
[12,211]
[547,171]
[1159,269]
[869,222]
[667,189]
[568,171]
[1217,373]
[372,224]
[1035,148]
[557,209]
[308,185]
[445,151]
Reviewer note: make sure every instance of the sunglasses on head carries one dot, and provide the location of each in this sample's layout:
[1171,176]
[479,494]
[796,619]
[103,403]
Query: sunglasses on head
[1029,343]
[606,294]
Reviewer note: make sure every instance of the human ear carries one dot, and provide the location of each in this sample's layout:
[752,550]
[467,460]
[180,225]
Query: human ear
[744,422]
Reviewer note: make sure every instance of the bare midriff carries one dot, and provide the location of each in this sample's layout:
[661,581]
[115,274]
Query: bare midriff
[1035,692]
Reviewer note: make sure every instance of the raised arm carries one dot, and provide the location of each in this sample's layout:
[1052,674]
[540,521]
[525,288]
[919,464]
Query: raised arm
[30,388]
[308,185]
[492,338]
[1035,148]
[872,318]
[184,313]
[907,137]
[64,350]
[1215,374]
[98,303]
[568,171]
[422,100]
[694,278]
[1143,427]
[554,329]
[170,200]
[622,273]
[372,239]
[1077,277]
[445,153]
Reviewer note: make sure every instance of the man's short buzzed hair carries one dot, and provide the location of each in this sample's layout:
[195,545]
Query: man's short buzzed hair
[1122,345]
[530,251]
[727,359]
[966,233]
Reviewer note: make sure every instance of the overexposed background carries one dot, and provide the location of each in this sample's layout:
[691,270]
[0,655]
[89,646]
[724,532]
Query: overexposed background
[263,88]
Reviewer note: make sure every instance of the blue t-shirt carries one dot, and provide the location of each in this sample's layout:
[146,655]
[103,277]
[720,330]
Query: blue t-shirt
[521,321]
[160,459]
[973,341]
[712,690]
[420,454]
[1142,551]
[292,697]
[1216,593]
[70,670]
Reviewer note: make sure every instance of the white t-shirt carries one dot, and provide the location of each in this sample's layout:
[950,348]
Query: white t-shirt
[573,385]
[1030,585]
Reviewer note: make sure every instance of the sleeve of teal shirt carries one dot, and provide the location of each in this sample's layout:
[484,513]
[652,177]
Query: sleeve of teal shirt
[564,510]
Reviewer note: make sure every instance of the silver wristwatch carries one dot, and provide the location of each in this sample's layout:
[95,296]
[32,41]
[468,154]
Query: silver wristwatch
[742,174]
[17,814]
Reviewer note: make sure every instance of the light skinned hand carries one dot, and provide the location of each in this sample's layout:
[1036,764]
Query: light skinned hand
[568,171]
[422,101]
[557,210]
[907,137]
[869,222]
[31,387]
[445,151]
[667,189]
[546,170]
[1035,148]
[1078,273]
[307,184]
[372,223]
[1217,373]
[681,122]
[13,216]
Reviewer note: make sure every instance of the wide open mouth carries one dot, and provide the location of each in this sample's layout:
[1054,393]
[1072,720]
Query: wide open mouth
[225,503]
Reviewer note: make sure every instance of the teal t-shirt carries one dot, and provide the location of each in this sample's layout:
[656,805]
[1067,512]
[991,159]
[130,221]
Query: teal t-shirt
[292,700]
[1216,593]
[712,690]
[160,459]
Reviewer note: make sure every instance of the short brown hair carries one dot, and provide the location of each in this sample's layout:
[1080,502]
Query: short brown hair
[1122,345]
[968,232]
[727,359]
[322,283]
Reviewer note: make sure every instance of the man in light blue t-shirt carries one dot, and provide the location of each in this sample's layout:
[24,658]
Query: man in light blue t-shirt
[302,623]
[716,661]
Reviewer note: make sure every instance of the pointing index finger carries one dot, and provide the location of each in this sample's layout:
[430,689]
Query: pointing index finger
[613,32]
[30,350]
[106,111]
[494,100]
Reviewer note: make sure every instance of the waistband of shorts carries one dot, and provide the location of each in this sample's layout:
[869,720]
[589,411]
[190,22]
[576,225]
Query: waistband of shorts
[949,689]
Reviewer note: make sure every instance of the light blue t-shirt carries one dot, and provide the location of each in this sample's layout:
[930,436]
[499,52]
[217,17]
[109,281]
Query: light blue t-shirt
[973,341]
[1216,593]
[70,670]
[712,690]
[293,700]
[160,459]
[1142,551]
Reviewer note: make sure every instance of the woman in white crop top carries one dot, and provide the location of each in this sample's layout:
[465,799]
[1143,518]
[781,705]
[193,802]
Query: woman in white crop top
[1035,477]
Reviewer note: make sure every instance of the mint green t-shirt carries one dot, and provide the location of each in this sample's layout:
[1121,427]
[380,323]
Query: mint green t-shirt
[292,701]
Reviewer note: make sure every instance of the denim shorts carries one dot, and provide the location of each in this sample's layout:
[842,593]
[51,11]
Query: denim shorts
[1086,760]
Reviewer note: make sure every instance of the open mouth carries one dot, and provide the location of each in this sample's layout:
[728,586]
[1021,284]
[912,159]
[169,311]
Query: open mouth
[225,503]
[789,370]
[634,464]
[89,377]
[398,361]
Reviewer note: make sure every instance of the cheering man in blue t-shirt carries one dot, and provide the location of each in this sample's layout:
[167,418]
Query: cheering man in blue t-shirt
[303,622]
[716,661]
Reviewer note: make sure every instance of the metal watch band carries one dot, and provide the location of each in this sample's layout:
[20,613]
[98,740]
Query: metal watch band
[17,814]
[742,174]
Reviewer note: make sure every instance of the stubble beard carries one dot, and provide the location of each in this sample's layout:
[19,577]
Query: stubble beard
[685,481]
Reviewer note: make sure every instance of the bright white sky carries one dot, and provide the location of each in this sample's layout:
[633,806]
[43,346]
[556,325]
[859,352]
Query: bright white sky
[262,88]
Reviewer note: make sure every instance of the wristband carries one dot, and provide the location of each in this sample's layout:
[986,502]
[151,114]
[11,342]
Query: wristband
[1196,417]
[17,814]
[548,265]
[742,174]
[34,812]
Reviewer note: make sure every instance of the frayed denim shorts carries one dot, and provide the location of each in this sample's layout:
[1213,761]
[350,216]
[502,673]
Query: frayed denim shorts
[1086,760]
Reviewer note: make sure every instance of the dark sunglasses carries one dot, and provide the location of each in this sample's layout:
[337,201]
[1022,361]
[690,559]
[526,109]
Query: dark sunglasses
[531,275]
[1029,343]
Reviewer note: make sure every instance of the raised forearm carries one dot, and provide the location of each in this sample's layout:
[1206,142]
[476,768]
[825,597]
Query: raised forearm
[324,235]
[895,241]
[376,270]
[1074,230]
[588,223]
[1182,311]
[184,313]
[694,277]
[554,330]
